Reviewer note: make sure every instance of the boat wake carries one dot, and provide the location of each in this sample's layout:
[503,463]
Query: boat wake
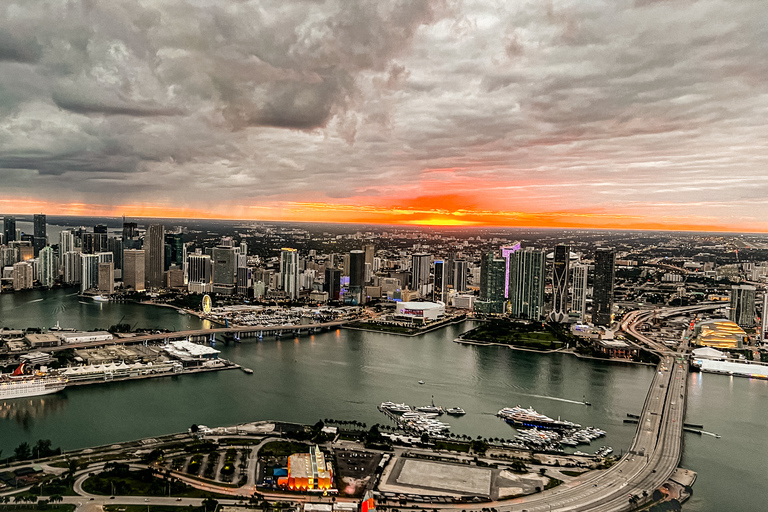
[558,399]
[36,300]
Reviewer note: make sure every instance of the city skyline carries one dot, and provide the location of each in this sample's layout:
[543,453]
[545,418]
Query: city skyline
[639,115]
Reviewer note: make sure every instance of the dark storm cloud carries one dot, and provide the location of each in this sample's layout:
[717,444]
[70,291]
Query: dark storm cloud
[17,48]
[623,100]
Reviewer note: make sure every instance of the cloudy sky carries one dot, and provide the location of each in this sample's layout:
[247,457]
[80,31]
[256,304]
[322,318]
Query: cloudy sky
[578,113]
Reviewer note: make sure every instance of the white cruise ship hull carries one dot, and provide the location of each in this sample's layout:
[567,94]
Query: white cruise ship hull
[23,388]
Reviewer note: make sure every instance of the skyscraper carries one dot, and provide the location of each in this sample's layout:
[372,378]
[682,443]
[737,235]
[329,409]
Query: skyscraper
[89,277]
[356,275]
[332,283]
[174,244]
[420,272]
[560,274]
[742,309]
[66,242]
[131,235]
[40,237]
[579,300]
[73,268]
[526,283]
[439,289]
[370,252]
[492,272]
[200,268]
[289,272]
[48,268]
[602,294]
[106,277]
[244,281]
[506,254]
[9,228]
[154,256]
[224,260]
[133,269]
[460,268]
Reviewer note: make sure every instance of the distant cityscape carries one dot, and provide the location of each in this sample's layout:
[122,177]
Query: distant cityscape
[679,301]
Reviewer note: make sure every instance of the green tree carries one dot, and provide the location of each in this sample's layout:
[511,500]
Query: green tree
[22,452]
[42,448]
[210,504]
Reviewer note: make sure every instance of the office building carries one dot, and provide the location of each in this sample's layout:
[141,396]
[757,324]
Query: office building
[40,233]
[174,247]
[742,311]
[289,272]
[460,268]
[244,281]
[602,293]
[526,283]
[9,229]
[106,277]
[420,273]
[115,246]
[560,275]
[49,270]
[579,300]
[154,256]
[131,235]
[332,283]
[492,278]
[224,260]
[133,269]
[199,268]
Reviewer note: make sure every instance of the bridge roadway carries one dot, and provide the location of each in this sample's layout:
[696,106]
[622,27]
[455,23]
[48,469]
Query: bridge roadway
[655,450]
[208,333]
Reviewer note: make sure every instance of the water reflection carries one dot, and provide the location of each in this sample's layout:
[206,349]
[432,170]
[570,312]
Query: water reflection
[25,411]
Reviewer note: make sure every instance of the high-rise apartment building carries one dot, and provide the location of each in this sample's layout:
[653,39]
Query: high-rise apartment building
[492,277]
[23,276]
[72,267]
[49,270]
[356,276]
[602,288]
[579,299]
[244,281]
[742,310]
[133,269]
[154,256]
[66,241]
[420,273]
[40,233]
[560,275]
[89,276]
[506,255]
[289,272]
[370,252]
[526,283]
[439,290]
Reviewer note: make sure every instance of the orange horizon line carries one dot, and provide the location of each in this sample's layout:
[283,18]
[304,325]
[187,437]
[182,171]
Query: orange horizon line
[411,223]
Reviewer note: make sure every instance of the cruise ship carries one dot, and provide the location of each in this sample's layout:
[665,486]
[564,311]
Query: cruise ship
[520,417]
[18,385]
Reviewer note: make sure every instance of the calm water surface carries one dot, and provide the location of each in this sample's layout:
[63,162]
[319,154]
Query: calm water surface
[345,374]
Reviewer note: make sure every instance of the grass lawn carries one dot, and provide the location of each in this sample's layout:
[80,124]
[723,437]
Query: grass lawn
[455,447]
[138,483]
[513,334]
[26,507]
[383,328]
[282,449]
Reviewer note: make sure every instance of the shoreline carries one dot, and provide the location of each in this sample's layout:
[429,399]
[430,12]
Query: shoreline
[425,331]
